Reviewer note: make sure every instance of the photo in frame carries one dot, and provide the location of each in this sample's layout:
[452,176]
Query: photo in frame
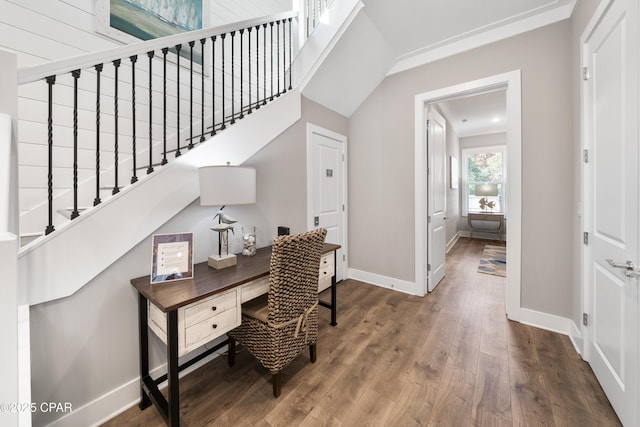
[172,257]
[131,21]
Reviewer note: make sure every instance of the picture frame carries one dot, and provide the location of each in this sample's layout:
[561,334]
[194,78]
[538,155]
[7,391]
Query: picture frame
[130,24]
[172,257]
[453,172]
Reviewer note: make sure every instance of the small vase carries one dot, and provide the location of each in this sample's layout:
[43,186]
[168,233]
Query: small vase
[248,241]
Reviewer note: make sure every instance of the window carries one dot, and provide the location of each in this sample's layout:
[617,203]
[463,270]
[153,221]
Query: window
[484,165]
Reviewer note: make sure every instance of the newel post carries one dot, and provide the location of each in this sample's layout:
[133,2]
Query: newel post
[9,231]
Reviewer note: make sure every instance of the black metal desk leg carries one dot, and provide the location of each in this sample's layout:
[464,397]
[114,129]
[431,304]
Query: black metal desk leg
[173,417]
[145,402]
[334,298]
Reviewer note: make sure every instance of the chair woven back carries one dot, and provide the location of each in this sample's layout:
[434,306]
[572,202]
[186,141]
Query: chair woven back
[293,276]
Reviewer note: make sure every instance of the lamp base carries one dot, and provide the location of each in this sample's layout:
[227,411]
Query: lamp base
[222,261]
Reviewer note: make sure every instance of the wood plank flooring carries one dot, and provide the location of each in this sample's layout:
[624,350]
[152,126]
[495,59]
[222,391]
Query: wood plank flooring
[450,358]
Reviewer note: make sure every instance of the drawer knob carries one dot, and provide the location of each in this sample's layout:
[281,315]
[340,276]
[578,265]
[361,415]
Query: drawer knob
[214,326]
[214,308]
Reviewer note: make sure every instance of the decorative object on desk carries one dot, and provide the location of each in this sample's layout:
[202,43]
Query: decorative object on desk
[222,186]
[172,257]
[249,240]
[487,190]
[494,260]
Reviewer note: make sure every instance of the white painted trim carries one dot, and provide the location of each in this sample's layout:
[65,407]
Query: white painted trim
[511,81]
[24,361]
[575,335]
[383,281]
[9,362]
[452,242]
[314,129]
[479,38]
[546,321]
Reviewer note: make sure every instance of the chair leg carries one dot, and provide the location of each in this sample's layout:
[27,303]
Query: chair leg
[231,352]
[312,352]
[275,379]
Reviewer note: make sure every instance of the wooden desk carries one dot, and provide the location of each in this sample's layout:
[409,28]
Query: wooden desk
[486,216]
[188,313]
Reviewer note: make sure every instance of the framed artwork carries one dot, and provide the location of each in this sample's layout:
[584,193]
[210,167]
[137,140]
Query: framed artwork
[133,20]
[453,172]
[172,257]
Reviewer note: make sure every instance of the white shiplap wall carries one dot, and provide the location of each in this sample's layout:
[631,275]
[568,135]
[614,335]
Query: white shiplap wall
[52,30]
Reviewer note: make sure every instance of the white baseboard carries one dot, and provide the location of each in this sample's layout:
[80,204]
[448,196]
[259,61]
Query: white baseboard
[452,242]
[383,281]
[575,335]
[550,322]
[100,410]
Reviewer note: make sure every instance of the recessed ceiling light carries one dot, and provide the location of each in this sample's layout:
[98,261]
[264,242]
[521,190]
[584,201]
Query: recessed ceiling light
[495,119]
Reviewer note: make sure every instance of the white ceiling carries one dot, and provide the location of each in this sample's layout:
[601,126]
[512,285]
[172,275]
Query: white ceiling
[391,36]
[477,114]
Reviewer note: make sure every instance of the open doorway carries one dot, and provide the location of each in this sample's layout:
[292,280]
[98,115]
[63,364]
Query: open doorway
[510,84]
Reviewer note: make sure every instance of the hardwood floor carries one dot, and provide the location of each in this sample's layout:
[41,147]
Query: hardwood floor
[450,358]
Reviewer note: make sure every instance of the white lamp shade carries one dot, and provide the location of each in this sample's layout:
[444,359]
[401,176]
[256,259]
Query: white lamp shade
[486,189]
[227,185]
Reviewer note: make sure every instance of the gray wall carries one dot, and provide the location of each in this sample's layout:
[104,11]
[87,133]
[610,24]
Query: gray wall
[381,166]
[86,345]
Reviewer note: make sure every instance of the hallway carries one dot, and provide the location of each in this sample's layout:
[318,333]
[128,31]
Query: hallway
[451,358]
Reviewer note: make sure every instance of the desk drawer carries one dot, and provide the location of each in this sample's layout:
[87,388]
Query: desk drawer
[208,308]
[254,289]
[207,330]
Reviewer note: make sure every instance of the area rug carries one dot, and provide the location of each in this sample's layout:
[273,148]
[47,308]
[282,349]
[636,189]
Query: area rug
[494,260]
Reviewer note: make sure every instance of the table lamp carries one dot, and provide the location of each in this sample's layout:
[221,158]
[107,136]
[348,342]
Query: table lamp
[221,186]
[486,190]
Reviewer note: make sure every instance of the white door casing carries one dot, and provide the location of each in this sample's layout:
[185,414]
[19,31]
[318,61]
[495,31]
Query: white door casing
[326,188]
[510,81]
[436,142]
[610,197]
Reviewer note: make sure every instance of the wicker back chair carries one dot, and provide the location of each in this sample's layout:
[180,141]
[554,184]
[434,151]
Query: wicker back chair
[278,326]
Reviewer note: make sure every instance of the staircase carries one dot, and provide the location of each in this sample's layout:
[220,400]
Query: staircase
[132,149]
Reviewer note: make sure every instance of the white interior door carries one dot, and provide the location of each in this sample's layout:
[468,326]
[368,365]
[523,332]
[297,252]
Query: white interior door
[436,197]
[611,204]
[326,182]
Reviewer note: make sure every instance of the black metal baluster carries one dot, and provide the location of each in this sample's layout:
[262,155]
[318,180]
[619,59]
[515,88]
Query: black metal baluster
[133,59]
[241,74]
[165,50]
[264,63]
[223,126]
[213,84]
[233,79]
[51,80]
[178,48]
[202,42]
[257,67]
[76,76]
[116,188]
[150,168]
[271,57]
[284,56]
[97,200]
[249,66]
[290,56]
[278,55]
[191,44]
